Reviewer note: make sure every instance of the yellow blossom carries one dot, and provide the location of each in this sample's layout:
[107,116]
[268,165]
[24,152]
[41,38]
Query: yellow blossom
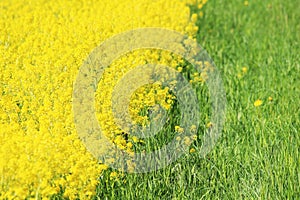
[258,102]
[187,141]
[113,175]
[201,14]
[209,124]
[193,128]
[192,150]
[179,129]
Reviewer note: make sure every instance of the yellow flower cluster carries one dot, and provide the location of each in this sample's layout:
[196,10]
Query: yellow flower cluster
[144,98]
[42,46]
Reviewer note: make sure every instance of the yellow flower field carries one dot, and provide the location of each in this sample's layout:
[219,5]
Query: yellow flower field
[42,46]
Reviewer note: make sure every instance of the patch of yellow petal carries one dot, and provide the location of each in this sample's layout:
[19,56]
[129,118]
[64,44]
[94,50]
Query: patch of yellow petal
[42,46]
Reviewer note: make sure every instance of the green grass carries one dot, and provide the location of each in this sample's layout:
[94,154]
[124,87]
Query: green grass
[257,156]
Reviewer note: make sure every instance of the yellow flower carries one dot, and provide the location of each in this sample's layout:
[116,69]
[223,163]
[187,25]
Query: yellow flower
[113,175]
[270,99]
[244,69]
[194,18]
[246,3]
[129,145]
[187,141]
[194,137]
[258,102]
[209,124]
[179,129]
[201,14]
[135,139]
[192,150]
[193,128]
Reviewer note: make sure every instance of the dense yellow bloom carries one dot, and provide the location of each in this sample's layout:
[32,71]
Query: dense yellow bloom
[42,46]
